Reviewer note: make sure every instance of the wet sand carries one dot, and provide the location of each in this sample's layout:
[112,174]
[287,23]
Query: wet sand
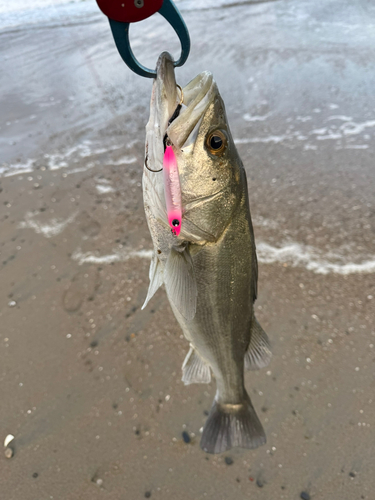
[90,384]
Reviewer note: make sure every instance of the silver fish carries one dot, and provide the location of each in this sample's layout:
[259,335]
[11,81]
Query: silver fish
[210,270]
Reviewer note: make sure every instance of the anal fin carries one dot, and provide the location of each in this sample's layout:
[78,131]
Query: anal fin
[194,369]
[258,354]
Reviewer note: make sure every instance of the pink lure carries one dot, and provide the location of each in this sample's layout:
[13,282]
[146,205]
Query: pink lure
[172,191]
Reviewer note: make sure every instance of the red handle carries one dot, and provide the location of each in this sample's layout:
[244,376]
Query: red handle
[129,11]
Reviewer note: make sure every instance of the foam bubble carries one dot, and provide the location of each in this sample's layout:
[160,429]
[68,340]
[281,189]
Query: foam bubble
[50,229]
[297,255]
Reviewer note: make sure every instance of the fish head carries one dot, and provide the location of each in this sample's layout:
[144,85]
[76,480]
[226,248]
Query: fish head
[211,173]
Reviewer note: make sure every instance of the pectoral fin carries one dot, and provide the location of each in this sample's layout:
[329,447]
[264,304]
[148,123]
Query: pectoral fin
[156,279]
[258,354]
[194,369]
[180,283]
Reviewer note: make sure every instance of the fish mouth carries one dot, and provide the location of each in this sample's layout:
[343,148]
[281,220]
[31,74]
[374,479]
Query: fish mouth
[164,97]
[164,100]
[197,96]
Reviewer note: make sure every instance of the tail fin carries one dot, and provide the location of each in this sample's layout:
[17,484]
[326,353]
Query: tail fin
[230,425]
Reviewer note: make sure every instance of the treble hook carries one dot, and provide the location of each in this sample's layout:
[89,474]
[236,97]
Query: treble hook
[122,13]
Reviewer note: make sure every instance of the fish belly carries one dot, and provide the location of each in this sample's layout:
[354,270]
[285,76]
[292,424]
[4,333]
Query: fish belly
[220,330]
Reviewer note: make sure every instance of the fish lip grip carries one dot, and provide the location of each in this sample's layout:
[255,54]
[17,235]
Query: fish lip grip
[123,12]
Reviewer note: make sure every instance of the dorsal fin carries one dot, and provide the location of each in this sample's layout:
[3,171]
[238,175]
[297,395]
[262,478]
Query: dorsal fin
[258,354]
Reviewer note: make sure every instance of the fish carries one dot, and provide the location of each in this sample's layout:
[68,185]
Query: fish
[209,267]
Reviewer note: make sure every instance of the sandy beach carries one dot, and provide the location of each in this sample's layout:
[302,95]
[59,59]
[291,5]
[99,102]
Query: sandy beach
[90,384]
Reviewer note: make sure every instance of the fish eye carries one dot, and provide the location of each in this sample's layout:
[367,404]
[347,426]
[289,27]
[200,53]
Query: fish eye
[216,142]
